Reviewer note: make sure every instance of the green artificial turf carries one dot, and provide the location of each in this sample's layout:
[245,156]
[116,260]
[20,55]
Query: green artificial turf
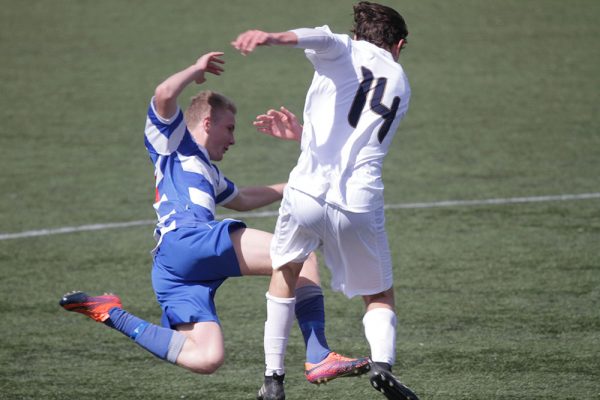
[496,301]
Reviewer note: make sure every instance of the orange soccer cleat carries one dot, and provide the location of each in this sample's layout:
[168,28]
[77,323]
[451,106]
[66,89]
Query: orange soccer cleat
[335,366]
[96,308]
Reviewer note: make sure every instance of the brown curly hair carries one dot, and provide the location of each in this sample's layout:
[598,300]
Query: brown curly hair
[378,24]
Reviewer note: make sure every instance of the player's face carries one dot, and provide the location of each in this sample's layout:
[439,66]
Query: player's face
[220,135]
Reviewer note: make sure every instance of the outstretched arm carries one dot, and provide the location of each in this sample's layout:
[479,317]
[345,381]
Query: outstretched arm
[318,39]
[249,40]
[281,124]
[252,197]
[165,95]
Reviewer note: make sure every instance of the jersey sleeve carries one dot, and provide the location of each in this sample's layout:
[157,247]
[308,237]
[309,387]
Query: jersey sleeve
[225,189]
[163,135]
[321,41]
[229,192]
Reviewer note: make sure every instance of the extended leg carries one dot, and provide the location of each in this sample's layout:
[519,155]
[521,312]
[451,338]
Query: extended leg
[380,329]
[162,342]
[197,347]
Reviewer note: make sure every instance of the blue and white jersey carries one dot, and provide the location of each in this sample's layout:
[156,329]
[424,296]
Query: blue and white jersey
[188,185]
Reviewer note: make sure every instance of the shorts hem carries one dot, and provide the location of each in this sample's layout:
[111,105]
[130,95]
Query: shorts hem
[361,292]
[171,320]
[278,262]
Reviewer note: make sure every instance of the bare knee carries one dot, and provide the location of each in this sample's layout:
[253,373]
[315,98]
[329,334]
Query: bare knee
[205,361]
[309,275]
[203,351]
[383,299]
[284,279]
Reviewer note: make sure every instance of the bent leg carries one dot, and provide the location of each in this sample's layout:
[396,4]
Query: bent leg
[197,347]
[252,248]
[204,350]
[164,343]
[252,251]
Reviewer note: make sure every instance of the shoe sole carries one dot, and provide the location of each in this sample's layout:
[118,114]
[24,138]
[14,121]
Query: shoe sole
[262,393]
[391,388]
[261,397]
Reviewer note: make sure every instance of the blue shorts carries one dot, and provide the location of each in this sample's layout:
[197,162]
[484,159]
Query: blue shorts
[189,266]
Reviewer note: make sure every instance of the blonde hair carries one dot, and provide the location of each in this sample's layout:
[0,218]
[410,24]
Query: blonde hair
[206,103]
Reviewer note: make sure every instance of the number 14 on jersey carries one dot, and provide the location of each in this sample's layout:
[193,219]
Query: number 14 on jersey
[360,99]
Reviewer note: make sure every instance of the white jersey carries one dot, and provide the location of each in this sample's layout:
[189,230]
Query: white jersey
[357,98]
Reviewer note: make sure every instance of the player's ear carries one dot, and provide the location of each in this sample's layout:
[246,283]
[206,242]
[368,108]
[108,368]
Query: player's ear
[397,48]
[206,123]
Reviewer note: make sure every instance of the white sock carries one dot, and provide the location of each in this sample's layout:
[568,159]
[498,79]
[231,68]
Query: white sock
[280,317]
[380,330]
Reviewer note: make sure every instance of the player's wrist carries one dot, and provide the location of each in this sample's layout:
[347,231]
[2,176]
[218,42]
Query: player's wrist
[283,38]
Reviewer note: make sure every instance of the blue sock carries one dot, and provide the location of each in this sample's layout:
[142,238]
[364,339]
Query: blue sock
[162,342]
[310,312]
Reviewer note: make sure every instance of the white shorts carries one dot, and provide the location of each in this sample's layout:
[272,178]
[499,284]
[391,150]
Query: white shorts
[354,245]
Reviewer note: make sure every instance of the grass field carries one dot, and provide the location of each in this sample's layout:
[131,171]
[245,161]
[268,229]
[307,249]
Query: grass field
[495,301]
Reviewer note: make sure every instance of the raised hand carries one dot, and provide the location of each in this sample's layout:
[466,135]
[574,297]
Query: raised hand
[281,124]
[246,42]
[209,62]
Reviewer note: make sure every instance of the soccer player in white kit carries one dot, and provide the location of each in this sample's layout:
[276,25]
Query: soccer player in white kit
[334,198]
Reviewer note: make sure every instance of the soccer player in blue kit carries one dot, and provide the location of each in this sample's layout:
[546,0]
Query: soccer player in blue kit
[334,197]
[195,253]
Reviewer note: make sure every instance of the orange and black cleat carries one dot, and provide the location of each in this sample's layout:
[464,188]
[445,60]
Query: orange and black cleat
[96,308]
[335,366]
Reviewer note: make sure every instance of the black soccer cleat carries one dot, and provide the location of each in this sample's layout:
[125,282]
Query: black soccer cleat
[272,388]
[384,381]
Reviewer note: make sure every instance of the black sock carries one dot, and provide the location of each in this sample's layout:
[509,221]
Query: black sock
[383,365]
